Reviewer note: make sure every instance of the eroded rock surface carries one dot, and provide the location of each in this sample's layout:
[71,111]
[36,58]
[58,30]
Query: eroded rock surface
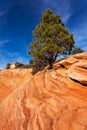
[12,79]
[49,100]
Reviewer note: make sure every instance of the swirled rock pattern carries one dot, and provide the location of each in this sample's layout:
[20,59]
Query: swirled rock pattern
[11,79]
[50,100]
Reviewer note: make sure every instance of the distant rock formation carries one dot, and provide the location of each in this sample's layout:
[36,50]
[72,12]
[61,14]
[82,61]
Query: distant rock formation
[16,65]
[50,100]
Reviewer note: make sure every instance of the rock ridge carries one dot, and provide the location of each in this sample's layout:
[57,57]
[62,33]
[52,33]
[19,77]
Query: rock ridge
[49,100]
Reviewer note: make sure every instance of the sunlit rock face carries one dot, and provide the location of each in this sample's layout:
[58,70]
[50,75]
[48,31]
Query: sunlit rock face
[50,100]
[12,79]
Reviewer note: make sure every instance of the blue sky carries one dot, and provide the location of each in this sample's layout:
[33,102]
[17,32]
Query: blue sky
[18,19]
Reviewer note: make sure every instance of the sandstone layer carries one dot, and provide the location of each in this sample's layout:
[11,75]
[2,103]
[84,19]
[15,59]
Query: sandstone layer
[50,100]
[11,79]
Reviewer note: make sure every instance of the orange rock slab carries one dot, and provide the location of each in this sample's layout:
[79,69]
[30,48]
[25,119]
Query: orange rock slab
[11,79]
[48,101]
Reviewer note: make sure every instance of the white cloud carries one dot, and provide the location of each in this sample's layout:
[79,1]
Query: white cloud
[66,17]
[2,42]
[3,60]
[62,7]
[81,32]
[65,10]
[80,35]
[8,57]
[2,13]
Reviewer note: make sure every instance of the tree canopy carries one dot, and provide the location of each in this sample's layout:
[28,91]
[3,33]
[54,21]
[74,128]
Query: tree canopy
[50,38]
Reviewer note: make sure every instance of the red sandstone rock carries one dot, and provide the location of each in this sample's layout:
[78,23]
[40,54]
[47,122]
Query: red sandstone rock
[12,79]
[49,100]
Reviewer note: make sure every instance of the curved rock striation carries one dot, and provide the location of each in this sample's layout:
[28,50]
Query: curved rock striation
[11,79]
[49,100]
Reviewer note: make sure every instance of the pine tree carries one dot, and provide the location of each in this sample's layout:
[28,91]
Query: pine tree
[51,38]
[76,50]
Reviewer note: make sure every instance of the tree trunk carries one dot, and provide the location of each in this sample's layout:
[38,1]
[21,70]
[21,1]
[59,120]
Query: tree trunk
[50,65]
